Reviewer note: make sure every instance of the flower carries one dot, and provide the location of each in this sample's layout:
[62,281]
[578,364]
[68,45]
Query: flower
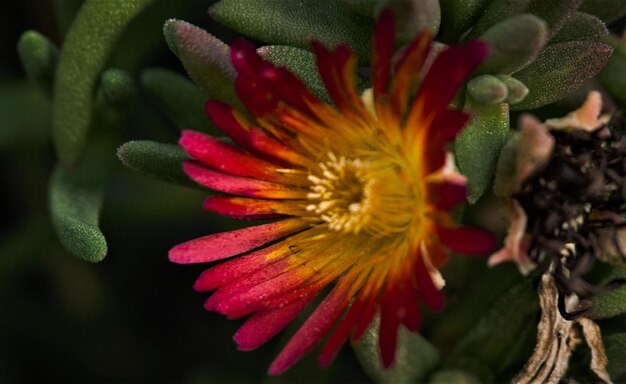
[362,192]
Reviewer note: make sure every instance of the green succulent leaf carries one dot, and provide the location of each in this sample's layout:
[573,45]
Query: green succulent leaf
[497,331]
[487,90]
[517,91]
[554,12]
[157,160]
[413,16]
[205,58]
[559,69]
[457,16]
[612,76]
[295,23]
[117,86]
[497,11]
[515,43]
[607,10]
[362,7]
[415,356]
[301,62]
[479,144]
[176,96]
[87,45]
[615,346]
[581,26]
[75,200]
[612,303]
[39,58]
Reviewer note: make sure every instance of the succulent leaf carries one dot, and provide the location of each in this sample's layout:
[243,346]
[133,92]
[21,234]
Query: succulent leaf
[497,11]
[179,98]
[612,303]
[117,86]
[559,69]
[479,144]
[205,58]
[362,7]
[613,76]
[457,16]
[412,16]
[554,12]
[300,61]
[157,160]
[487,89]
[415,356]
[87,45]
[295,23]
[75,202]
[515,43]
[615,346]
[39,58]
[581,26]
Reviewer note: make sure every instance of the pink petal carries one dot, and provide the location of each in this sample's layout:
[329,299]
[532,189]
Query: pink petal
[238,185]
[226,244]
[254,209]
[312,330]
[227,158]
[341,333]
[245,282]
[469,241]
[264,325]
[338,72]
[229,121]
[231,270]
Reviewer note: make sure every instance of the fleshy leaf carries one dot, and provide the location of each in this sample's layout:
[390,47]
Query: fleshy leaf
[517,91]
[559,69]
[555,13]
[176,96]
[412,16]
[362,7]
[75,200]
[581,26]
[85,50]
[612,303]
[487,89]
[301,62]
[493,337]
[415,356]
[607,10]
[117,86]
[515,43]
[39,58]
[497,11]
[157,160]
[205,58]
[615,346]
[458,15]
[612,76]
[296,23]
[478,146]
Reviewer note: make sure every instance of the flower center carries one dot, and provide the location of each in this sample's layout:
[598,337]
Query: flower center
[354,195]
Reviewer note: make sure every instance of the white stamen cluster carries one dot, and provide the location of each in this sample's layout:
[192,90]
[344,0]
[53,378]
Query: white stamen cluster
[339,193]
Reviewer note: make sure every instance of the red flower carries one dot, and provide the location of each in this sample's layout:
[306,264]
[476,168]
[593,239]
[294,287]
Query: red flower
[363,193]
